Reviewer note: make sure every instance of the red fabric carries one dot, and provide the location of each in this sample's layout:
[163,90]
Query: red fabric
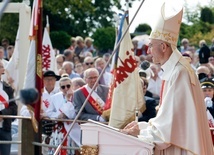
[2,100]
[39,74]
[161,93]
[93,103]
[212,134]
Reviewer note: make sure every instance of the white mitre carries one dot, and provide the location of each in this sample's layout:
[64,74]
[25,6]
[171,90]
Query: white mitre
[167,28]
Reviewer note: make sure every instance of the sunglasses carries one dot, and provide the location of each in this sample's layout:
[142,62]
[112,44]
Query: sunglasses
[89,63]
[63,87]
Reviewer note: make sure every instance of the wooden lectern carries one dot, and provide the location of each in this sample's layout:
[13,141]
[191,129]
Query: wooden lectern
[110,141]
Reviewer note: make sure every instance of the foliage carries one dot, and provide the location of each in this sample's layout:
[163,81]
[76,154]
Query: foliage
[200,29]
[89,17]
[80,17]
[207,15]
[104,39]
[143,29]
[8,27]
[60,39]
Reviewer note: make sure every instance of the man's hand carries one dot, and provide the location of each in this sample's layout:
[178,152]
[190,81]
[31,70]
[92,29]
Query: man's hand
[131,129]
[62,116]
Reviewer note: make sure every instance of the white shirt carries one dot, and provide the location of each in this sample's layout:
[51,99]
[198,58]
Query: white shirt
[155,86]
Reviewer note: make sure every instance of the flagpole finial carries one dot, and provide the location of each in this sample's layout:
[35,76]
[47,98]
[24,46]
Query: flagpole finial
[27,2]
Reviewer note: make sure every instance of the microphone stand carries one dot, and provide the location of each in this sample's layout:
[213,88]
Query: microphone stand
[81,109]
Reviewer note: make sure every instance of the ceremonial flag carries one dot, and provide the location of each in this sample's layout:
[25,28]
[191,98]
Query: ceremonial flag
[31,67]
[127,95]
[12,67]
[48,54]
[34,70]
[34,19]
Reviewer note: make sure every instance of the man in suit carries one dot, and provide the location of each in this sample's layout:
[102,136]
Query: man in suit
[94,107]
[150,111]
[6,109]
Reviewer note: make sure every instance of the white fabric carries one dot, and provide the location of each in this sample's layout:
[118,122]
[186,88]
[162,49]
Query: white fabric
[95,96]
[107,78]
[2,106]
[155,86]
[31,67]
[45,99]
[210,119]
[167,27]
[127,93]
[57,102]
[48,53]
[180,126]
[12,67]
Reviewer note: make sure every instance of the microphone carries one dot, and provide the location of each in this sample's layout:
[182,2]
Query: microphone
[145,70]
[145,65]
[26,96]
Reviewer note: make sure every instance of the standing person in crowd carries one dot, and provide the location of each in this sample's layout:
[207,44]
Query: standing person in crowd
[60,58]
[61,107]
[5,43]
[78,68]
[180,126]
[80,46]
[77,83]
[4,61]
[150,111]
[10,50]
[184,45]
[6,108]
[89,63]
[69,55]
[94,107]
[100,64]
[207,86]
[73,43]
[155,81]
[68,67]
[106,57]
[89,46]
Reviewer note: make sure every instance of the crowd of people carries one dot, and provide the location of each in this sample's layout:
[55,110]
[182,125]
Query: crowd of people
[78,68]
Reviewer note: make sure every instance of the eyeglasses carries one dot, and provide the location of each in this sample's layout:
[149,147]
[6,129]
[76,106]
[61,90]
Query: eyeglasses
[63,87]
[91,78]
[89,63]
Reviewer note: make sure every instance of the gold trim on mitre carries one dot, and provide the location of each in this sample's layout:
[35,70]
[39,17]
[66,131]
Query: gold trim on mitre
[167,29]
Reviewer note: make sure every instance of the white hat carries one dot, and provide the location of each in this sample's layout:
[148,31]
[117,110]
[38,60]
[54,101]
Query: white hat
[167,28]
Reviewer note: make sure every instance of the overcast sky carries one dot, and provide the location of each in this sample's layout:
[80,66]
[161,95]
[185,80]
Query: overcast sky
[148,11]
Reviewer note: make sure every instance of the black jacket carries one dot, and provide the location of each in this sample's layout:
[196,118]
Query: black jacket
[12,108]
[150,111]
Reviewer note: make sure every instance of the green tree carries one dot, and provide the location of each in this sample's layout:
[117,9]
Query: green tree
[207,15]
[60,39]
[8,27]
[143,29]
[104,39]
[80,17]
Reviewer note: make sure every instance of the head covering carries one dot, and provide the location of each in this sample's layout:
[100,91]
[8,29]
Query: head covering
[204,54]
[167,28]
[49,73]
[207,83]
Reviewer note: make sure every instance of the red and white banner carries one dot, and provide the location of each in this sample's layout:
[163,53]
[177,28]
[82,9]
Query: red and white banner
[3,102]
[48,54]
[127,93]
